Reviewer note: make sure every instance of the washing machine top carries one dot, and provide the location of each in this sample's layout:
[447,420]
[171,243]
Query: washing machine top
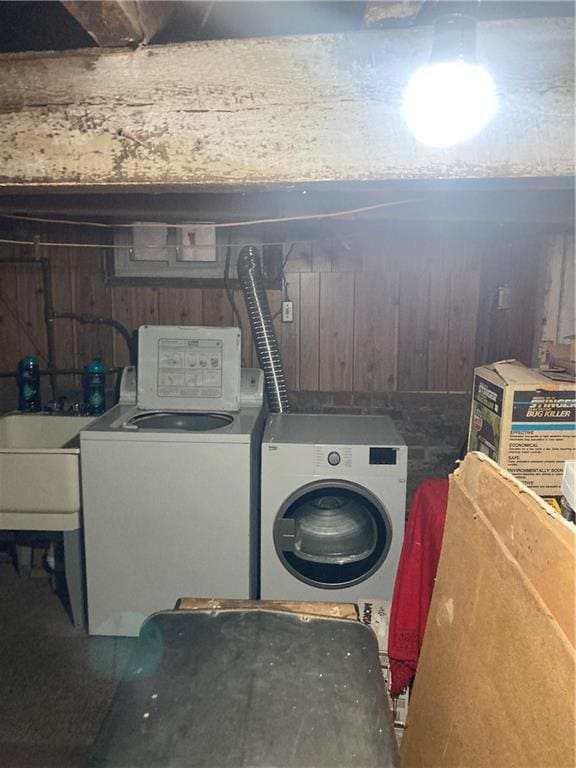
[330,429]
[127,420]
[188,368]
[130,423]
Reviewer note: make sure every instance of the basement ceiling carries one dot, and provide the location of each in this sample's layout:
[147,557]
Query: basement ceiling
[43,26]
[40,26]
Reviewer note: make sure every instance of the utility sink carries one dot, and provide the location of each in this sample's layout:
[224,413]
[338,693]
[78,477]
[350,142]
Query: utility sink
[40,471]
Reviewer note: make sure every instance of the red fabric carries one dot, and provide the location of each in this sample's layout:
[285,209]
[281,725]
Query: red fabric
[415,580]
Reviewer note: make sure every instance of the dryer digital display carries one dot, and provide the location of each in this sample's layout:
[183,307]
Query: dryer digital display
[382,456]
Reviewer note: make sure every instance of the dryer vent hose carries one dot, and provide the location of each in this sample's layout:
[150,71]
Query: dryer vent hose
[252,282]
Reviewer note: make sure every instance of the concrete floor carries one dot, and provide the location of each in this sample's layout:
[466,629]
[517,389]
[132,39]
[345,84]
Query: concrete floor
[56,683]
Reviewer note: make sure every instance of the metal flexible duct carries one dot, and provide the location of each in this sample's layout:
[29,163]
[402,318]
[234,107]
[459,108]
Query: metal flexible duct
[252,282]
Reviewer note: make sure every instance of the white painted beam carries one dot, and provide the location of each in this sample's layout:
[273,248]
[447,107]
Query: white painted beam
[222,114]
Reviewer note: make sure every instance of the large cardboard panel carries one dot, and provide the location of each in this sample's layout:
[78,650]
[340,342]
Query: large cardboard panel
[541,541]
[496,680]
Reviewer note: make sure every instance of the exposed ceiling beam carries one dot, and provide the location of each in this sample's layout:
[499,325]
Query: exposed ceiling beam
[120,23]
[277,111]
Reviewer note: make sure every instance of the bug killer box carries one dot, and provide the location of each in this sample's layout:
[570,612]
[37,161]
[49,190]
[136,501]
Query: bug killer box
[524,419]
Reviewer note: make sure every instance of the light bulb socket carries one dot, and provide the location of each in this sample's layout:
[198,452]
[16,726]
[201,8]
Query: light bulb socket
[454,39]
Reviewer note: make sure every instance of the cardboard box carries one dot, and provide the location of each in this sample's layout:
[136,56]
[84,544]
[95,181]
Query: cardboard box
[526,421]
[496,684]
[376,615]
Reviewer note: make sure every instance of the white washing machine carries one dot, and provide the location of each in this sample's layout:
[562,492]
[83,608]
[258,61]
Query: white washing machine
[170,484]
[332,507]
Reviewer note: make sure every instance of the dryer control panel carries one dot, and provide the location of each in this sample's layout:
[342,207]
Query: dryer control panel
[348,457]
[326,456]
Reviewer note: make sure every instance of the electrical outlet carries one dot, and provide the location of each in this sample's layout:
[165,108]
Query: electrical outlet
[287,312]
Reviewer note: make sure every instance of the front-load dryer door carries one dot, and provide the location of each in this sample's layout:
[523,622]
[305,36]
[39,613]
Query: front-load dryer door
[332,534]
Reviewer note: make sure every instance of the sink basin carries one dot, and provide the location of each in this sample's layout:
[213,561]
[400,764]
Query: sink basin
[40,471]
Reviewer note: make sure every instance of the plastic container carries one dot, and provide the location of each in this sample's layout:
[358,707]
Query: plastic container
[94,385]
[28,378]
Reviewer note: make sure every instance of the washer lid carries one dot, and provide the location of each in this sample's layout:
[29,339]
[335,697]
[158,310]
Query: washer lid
[189,368]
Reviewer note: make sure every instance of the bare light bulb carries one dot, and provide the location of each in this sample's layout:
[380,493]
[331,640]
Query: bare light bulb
[452,98]
[449,102]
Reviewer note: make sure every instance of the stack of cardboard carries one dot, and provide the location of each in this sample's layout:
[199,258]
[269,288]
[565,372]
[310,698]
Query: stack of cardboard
[496,679]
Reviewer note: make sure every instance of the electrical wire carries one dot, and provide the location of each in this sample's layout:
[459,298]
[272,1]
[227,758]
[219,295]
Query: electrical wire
[283,282]
[101,246]
[223,225]
[285,261]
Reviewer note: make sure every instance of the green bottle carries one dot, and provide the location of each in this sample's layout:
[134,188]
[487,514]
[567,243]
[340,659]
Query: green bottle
[94,385]
[28,378]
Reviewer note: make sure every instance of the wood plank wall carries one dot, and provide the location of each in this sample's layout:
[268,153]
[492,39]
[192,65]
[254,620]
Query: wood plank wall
[407,306]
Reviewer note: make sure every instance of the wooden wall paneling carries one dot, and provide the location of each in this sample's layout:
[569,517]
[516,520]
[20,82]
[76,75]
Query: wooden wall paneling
[216,307]
[309,331]
[300,258]
[121,300]
[10,350]
[526,253]
[30,293]
[144,306]
[346,254]
[464,301]
[493,270]
[65,331]
[336,331]
[180,306]
[93,297]
[442,250]
[322,256]
[553,318]
[413,311]
[290,335]
[511,258]
[376,318]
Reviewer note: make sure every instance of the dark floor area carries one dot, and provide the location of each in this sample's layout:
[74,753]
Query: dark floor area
[56,683]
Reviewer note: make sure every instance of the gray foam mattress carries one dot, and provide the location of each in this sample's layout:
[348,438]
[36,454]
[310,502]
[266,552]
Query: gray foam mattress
[249,689]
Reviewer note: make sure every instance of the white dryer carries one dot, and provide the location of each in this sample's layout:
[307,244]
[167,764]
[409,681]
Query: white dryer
[332,507]
[171,484]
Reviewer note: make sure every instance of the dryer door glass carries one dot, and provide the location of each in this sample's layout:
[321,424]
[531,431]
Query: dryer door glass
[334,528]
[332,534]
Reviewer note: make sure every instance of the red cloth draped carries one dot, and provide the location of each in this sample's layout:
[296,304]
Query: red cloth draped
[415,581]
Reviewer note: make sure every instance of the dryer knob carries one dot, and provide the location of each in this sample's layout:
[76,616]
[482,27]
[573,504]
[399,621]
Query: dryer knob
[334,458]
